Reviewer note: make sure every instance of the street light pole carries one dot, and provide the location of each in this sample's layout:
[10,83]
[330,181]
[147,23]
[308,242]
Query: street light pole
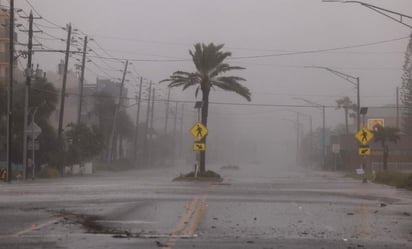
[379,10]
[310,128]
[322,107]
[351,79]
[10,92]
[297,123]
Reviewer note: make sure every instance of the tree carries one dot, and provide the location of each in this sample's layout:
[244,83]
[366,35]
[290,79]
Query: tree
[384,135]
[406,89]
[346,104]
[210,65]
[84,142]
[44,97]
[105,108]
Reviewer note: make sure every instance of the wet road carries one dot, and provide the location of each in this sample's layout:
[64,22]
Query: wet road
[253,208]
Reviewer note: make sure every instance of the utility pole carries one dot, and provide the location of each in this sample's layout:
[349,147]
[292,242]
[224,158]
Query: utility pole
[167,110]
[397,107]
[63,93]
[146,132]
[297,137]
[10,92]
[358,103]
[151,127]
[136,135]
[29,72]
[323,136]
[116,112]
[79,112]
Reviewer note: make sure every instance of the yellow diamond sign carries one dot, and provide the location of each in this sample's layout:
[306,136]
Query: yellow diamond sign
[198,131]
[199,146]
[364,136]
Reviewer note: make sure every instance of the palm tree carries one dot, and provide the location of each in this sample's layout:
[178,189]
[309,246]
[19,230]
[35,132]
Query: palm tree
[346,104]
[210,65]
[384,135]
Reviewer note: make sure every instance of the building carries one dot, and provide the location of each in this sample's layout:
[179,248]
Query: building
[386,113]
[4,45]
[88,115]
[111,88]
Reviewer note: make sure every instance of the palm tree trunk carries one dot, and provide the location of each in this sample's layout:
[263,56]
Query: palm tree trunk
[346,121]
[205,111]
[385,156]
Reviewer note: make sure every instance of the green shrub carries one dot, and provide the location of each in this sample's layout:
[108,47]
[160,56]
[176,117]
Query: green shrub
[395,178]
[48,172]
[208,174]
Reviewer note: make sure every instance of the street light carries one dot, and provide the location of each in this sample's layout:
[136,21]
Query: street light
[379,10]
[298,124]
[351,79]
[321,107]
[310,124]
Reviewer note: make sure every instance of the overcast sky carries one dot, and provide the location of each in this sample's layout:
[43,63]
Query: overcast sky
[164,30]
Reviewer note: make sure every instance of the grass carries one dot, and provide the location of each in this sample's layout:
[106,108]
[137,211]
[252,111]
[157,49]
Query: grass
[395,178]
[208,176]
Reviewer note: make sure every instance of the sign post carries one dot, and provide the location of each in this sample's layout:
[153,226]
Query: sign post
[336,151]
[33,131]
[198,131]
[364,136]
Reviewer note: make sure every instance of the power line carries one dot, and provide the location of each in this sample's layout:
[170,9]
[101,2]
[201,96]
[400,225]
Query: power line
[97,95]
[319,50]
[140,60]
[104,61]
[45,19]
[264,56]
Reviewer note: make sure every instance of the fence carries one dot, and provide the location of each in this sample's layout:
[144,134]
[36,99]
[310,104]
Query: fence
[403,166]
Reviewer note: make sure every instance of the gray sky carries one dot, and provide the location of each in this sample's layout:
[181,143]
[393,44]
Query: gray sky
[166,29]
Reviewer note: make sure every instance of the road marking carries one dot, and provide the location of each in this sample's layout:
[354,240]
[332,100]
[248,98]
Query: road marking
[191,228]
[127,221]
[326,226]
[37,227]
[189,221]
[362,229]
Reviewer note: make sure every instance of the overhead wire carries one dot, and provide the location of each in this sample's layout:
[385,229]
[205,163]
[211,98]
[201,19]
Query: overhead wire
[319,50]
[45,19]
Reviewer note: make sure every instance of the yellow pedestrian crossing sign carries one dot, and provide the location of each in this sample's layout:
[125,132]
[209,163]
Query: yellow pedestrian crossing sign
[364,136]
[199,146]
[198,131]
[364,151]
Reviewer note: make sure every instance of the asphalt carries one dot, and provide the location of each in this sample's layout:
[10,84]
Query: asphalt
[256,206]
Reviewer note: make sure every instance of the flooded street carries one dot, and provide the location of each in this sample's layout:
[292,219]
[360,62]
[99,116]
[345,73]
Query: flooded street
[296,208]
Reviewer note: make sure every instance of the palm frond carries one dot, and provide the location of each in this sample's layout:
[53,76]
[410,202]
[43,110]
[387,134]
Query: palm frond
[222,68]
[231,83]
[209,63]
[181,78]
